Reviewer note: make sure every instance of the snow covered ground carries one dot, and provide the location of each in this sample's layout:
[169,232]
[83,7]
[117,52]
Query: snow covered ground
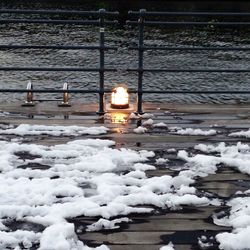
[235,156]
[91,177]
[116,182]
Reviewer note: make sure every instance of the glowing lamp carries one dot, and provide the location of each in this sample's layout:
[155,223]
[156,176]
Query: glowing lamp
[120,98]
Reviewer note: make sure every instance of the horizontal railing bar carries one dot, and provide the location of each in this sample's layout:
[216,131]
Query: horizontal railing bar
[64,12]
[48,21]
[191,70]
[180,13]
[52,90]
[194,92]
[188,48]
[47,100]
[97,91]
[54,69]
[185,23]
[66,47]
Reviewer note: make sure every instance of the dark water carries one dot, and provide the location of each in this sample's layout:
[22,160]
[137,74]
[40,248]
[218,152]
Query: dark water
[123,58]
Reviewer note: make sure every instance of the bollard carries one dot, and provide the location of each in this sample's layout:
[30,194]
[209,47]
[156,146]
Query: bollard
[65,101]
[29,98]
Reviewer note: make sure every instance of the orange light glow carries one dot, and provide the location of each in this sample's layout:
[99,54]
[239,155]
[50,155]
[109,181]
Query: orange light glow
[119,118]
[120,98]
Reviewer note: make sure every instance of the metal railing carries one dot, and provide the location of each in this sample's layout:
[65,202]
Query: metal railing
[100,20]
[142,21]
[144,18]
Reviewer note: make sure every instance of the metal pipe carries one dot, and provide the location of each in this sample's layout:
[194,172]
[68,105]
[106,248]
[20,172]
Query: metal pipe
[190,48]
[58,12]
[65,47]
[213,92]
[101,62]
[192,70]
[190,24]
[48,100]
[75,91]
[55,69]
[180,13]
[141,22]
[96,91]
[48,21]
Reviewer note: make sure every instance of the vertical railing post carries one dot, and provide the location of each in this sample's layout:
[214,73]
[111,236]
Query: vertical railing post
[140,60]
[101,62]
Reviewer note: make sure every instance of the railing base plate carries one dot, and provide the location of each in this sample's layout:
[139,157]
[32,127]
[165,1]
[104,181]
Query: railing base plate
[64,105]
[130,109]
[28,104]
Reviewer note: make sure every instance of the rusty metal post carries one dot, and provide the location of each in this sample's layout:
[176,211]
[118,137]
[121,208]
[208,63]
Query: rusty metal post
[65,101]
[29,98]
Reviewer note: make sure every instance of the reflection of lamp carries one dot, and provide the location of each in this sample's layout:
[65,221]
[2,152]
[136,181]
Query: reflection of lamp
[119,118]
[120,98]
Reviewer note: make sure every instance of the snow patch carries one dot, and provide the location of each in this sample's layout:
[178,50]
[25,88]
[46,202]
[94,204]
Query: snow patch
[171,150]
[245,134]
[237,156]
[170,246]
[190,131]
[239,220]
[160,125]
[26,129]
[146,116]
[161,161]
[140,130]
[148,122]
[107,224]
[204,243]
[133,116]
